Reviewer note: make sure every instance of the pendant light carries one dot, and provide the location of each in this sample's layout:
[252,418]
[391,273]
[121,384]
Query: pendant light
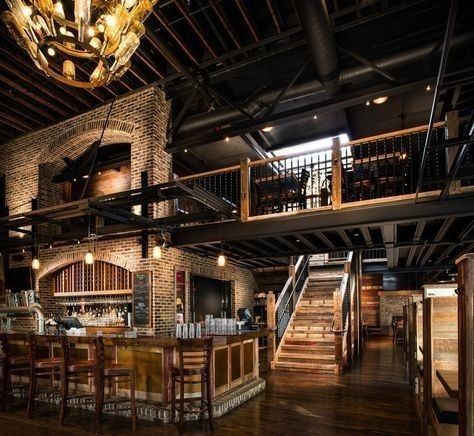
[159,244]
[222,260]
[157,252]
[89,256]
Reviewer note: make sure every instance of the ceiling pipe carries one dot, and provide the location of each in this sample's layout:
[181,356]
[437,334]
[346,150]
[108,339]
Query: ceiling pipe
[314,19]
[226,115]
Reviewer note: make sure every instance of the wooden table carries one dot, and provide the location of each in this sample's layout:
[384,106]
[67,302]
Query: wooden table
[449,380]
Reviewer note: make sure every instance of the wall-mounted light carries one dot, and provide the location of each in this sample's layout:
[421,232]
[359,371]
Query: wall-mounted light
[221,260]
[35,263]
[157,252]
[89,258]
[380,100]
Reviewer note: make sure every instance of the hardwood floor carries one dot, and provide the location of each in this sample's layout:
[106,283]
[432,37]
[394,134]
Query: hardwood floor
[373,398]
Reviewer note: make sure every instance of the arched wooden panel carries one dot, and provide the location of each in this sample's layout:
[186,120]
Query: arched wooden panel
[101,277]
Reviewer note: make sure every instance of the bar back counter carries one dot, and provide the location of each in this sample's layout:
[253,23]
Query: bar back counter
[234,369]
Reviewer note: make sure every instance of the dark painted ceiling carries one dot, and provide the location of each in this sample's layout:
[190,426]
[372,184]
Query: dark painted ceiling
[234,49]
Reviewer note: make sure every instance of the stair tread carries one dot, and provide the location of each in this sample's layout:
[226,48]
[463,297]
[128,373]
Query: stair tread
[305,365]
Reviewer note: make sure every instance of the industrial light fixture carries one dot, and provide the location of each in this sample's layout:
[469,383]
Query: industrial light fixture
[267,129]
[95,36]
[221,260]
[380,100]
[35,263]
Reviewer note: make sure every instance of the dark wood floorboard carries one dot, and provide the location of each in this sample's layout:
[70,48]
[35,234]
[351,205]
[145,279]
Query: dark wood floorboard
[373,398]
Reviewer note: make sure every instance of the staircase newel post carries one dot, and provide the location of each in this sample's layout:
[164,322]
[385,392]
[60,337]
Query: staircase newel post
[271,326]
[244,189]
[336,181]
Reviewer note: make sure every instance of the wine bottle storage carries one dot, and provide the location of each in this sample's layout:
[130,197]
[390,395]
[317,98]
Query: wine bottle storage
[99,278]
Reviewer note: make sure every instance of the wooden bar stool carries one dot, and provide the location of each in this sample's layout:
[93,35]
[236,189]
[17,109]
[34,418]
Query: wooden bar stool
[12,363]
[194,367]
[39,365]
[71,370]
[114,373]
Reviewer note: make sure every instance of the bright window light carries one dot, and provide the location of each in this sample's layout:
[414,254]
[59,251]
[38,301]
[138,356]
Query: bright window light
[318,145]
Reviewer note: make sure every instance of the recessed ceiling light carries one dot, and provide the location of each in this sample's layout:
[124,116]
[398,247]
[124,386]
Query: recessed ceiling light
[267,129]
[185,150]
[380,100]
[51,51]
[367,103]
[428,87]
[315,117]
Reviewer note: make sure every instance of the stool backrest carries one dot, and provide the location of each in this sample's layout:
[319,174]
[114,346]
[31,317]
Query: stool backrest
[37,341]
[99,351]
[6,338]
[194,353]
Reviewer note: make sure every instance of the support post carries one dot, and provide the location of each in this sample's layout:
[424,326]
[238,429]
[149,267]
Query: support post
[336,182]
[292,274]
[452,131]
[244,189]
[347,270]
[357,303]
[144,236]
[465,266]
[271,326]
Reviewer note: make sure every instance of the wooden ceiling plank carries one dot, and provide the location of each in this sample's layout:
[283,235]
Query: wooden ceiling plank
[22,125]
[59,99]
[12,123]
[225,22]
[34,96]
[22,113]
[247,19]
[274,17]
[164,22]
[195,26]
[29,105]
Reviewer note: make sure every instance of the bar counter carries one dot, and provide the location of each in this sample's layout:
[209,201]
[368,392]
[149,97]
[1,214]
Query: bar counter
[234,366]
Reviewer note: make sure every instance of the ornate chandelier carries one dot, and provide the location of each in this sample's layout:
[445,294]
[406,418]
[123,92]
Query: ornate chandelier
[82,43]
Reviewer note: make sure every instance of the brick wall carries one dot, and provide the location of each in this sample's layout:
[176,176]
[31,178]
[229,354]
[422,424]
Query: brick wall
[390,305]
[30,160]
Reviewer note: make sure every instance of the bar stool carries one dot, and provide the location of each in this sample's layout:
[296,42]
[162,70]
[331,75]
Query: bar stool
[40,366]
[71,370]
[194,367]
[12,363]
[114,373]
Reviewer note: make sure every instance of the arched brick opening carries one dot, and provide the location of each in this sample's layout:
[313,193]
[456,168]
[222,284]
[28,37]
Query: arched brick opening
[71,257]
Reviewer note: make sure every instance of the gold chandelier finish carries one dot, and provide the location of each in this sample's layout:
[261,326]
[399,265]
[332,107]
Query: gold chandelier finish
[81,43]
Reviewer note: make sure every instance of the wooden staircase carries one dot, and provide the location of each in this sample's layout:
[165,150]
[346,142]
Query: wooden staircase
[308,343]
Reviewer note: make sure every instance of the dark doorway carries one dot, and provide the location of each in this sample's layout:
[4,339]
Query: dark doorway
[210,296]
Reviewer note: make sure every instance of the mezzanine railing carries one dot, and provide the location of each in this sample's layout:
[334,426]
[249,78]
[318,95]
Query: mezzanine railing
[366,169]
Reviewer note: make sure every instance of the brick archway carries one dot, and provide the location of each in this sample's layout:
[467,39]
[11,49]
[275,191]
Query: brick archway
[75,141]
[72,257]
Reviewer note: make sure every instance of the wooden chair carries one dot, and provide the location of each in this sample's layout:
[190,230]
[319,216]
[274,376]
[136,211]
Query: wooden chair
[194,368]
[113,373]
[12,364]
[71,370]
[41,366]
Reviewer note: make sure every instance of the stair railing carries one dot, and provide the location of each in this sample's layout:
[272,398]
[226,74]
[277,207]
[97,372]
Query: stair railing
[289,296]
[342,313]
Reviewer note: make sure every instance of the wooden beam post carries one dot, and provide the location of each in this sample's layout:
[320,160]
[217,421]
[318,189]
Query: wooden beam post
[271,326]
[427,364]
[244,189]
[465,266]
[452,131]
[336,181]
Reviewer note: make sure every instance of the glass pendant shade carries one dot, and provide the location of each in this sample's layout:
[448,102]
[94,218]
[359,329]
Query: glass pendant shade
[221,260]
[97,37]
[157,252]
[89,258]
[35,264]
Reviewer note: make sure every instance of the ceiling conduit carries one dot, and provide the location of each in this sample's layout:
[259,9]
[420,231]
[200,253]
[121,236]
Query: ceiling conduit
[259,101]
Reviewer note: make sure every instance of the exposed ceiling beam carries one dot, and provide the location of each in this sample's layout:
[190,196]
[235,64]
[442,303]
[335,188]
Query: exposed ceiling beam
[439,236]
[420,226]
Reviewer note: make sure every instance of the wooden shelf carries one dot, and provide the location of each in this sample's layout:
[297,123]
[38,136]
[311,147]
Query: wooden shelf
[93,293]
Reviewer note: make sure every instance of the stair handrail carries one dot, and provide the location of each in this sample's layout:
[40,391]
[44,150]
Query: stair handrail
[288,283]
[343,288]
[294,287]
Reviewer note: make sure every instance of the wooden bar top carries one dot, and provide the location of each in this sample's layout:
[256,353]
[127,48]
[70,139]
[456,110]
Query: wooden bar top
[449,380]
[160,341]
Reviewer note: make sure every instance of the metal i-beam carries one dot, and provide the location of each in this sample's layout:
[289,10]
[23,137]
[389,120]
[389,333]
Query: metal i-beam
[420,226]
[439,236]
[366,234]
[389,235]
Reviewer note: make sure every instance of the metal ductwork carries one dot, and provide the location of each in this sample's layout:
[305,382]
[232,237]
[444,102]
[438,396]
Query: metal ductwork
[227,115]
[314,19]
